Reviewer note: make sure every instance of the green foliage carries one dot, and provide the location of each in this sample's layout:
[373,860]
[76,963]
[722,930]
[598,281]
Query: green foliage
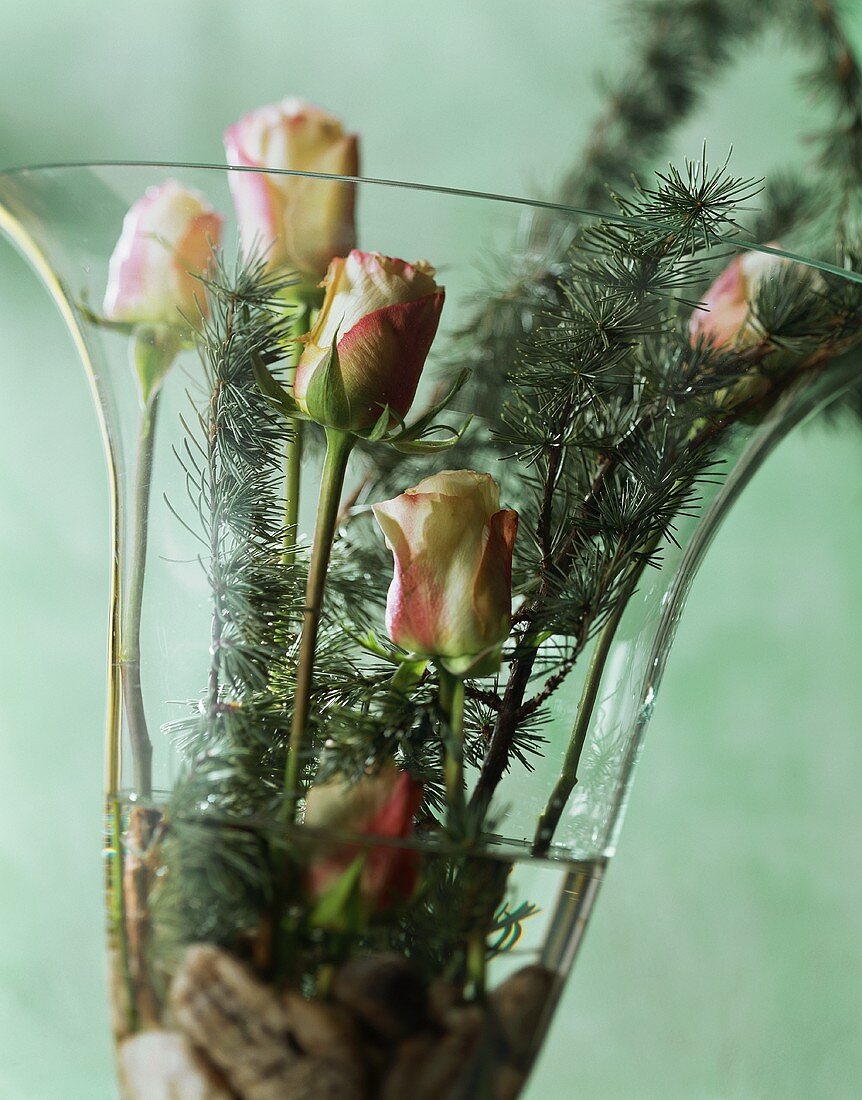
[615,414]
[608,417]
[217,876]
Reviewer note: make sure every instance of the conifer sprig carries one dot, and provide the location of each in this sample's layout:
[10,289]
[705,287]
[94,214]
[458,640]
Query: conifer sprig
[616,414]
[609,420]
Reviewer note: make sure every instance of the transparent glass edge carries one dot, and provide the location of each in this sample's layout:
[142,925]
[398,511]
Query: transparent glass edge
[736,243]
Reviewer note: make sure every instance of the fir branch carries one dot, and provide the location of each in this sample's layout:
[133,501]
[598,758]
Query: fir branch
[837,79]
[218,875]
[619,370]
[676,47]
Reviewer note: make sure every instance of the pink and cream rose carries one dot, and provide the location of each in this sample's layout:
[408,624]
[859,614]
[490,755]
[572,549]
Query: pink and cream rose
[724,319]
[382,315]
[382,806]
[294,222]
[451,596]
[166,243]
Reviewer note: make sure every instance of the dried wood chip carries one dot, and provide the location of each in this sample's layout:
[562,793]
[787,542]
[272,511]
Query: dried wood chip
[385,992]
[267,1048]
[519,1004]
[236,1020]
[324,1031]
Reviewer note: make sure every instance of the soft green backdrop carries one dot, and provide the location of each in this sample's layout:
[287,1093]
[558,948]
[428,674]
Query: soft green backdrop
[726,956]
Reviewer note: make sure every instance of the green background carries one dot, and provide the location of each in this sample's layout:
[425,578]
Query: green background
[727,949]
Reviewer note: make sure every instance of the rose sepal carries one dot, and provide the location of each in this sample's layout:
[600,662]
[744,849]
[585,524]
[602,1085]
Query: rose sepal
[271,389]
[372,644]
[183,337]
[409,667]
[153,350]
[433,446]
[412,438]
[472,666]
[339,908]
[331,403]
[326,397]
[327,400]
[100,321]
[410,672]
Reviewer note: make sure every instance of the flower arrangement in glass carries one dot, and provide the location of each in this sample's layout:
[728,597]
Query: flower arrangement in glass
[358,864]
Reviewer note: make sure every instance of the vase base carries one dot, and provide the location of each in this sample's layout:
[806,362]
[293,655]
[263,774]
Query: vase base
[418,1001]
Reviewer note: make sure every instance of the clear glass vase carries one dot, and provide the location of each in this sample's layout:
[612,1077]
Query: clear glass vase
[422,966]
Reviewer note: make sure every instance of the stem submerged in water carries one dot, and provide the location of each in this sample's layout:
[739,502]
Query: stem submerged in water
[339,444]
[117,911]
[553,811]
[142,749]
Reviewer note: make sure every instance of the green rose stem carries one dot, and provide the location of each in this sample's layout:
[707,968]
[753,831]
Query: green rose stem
[550,816]
[133,905]
[549,819]
[153,350]
[452,705]
[292,470]
[477,960]
[142,749]
[339,444]
[308,303]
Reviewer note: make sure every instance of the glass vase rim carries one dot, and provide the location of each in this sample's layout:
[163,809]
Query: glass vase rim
[377,181]
[738,244]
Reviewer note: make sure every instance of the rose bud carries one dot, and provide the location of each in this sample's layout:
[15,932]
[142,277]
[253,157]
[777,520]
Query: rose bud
[381,805]
[293,221]
[381,315]
[166,243]
[725,318]
[451,596]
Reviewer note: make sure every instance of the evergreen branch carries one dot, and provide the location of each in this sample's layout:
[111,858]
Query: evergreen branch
[489,699]
[552,684]
[653,406]
[676,48]
[837,77]
[564,786]
[219,875]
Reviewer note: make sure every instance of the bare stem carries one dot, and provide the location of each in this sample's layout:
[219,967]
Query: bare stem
[292,471]
[338,447]
[293,451]
[142,749]
[550,816]
[452,706]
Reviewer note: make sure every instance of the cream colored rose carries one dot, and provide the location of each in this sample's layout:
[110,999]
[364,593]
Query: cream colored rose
[166,243]
[380,805]
[724,318]
[293,221]
[382,315]
[451,596]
